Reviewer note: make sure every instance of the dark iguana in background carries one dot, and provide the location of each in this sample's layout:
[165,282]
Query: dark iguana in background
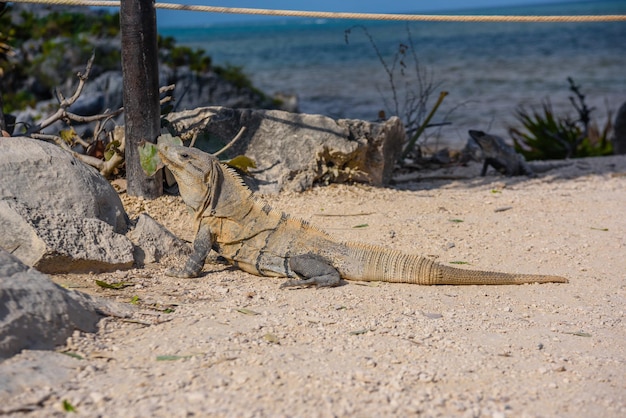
[262,241]
[500,155]
[503,157]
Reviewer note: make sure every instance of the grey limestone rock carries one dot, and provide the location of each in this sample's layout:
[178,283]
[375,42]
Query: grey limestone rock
[153,241]
[55,242]
[35,313]
[56,213]
[42,175]
[292,151]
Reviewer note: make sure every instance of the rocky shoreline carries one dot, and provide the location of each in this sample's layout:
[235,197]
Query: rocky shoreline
[103,91]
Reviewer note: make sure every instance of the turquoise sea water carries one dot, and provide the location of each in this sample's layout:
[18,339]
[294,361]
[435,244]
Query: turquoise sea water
[489,69]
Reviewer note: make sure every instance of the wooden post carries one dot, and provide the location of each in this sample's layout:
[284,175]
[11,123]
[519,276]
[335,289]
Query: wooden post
[141,91]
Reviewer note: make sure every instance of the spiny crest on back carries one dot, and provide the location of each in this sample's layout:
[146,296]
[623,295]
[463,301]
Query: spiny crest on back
[233,176]
[293,221]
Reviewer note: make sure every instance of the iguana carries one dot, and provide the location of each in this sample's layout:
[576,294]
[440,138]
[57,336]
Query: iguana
[500,155]
[260,240]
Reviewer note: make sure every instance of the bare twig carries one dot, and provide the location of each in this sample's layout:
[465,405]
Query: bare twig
[97,163]
[65,103]
[52,138]
[230,144]
[166,89]
[193,140]
[390,71]
[81,141]
[423,126]
[417,87]
[118,157]
[105,167]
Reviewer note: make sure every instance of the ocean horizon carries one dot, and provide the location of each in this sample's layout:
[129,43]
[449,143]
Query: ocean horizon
[488,69]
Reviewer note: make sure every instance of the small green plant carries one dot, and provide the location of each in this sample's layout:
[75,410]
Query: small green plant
[235,75]
[195,59]
[68,407]
[546,136]
[406,75]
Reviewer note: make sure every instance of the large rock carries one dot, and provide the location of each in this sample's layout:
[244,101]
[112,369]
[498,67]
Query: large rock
[153,241]
[55,242]
[294,151]
[195,90]
[58,214]
[43,176]
[35,313]
[619,131]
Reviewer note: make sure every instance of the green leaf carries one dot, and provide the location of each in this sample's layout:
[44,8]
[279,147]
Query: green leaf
[459,262]
[114,286]
[169,139]
[134,300]
[361,226]
[149,158]
[359,331]
[271,338]
[580,334]
[247,311]
[73,355]
[67,406]
[242,163]
[456,220]
[171,358]
[599,229]
[67,135]
[111,148]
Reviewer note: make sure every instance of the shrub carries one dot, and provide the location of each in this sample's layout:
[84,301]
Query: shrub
[546,136]
[406,74]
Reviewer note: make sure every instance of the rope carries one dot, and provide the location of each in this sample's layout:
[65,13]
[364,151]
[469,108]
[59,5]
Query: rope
[335,15]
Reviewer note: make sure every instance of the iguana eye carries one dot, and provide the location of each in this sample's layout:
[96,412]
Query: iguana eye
[184,155]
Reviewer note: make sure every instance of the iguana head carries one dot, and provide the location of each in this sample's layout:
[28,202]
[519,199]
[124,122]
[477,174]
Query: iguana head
[485,141]
[196,172]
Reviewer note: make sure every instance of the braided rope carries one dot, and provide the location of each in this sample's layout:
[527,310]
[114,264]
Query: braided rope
[339,15]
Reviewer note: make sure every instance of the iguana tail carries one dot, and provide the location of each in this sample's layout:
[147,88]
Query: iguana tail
[453,275]
[381,264]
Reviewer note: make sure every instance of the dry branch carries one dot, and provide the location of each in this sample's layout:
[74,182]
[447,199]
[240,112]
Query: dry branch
[64,103]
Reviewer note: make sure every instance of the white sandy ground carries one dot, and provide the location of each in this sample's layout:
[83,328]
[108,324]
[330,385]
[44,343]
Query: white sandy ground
[239,346]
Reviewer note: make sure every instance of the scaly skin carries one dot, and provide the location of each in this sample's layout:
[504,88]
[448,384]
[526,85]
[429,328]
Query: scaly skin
[257,239]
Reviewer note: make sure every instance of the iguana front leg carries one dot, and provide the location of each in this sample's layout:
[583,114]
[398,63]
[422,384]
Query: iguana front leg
[485,167]
[202,244]
[313,270]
